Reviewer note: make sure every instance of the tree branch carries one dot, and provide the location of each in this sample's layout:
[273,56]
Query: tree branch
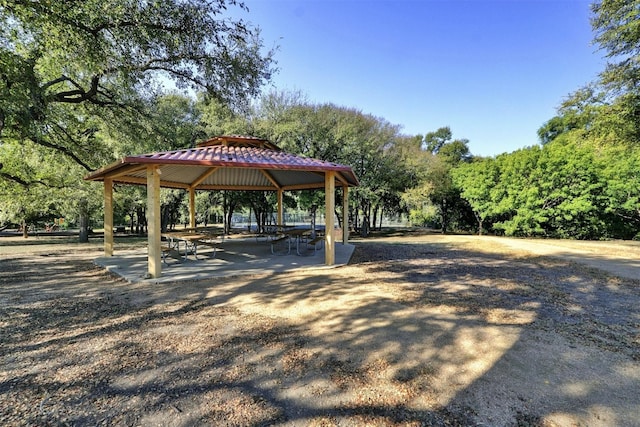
[78,95]
[25,183]
[183,75]
[63,150]
[56,81]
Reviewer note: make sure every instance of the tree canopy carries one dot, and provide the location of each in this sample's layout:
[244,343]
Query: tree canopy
[80,78]
[66,65]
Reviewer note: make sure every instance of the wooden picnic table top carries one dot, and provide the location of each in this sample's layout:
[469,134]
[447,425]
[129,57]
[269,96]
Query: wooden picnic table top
[182,235]
[297,231]
[212,229]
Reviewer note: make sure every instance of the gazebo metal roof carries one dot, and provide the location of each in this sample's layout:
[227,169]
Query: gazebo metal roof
[227,163]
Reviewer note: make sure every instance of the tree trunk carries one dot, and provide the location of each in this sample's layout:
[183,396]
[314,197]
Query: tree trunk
[165,220]
[364,230]
[228,216]
[227,222]
[444,217]
[84,221]
[132,221]
[375,217]
[142,220]
[366,219]
[479,219]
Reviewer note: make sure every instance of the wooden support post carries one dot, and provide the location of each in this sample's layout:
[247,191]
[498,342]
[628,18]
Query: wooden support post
[192,208]
[330,203]
[345,214]
[108,217]
[153,218]
[280,207]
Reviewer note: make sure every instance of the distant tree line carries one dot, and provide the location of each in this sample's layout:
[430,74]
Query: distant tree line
[583,181]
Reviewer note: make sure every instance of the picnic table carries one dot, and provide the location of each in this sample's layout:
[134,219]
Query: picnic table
[190,240]
[213,231]
[300,237]
[273,232]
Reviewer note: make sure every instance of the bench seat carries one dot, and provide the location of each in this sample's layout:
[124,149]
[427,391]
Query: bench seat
[316,243]
[274,243]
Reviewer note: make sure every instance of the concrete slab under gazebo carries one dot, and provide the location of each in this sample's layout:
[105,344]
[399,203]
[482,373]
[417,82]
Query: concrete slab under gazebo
[237,163]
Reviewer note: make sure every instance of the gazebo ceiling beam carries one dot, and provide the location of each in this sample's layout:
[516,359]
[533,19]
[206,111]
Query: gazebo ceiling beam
[237,187]
[338,175]
[204,176]
[342,179]
[271,179]
[143,181]
[124,170]
[308,186]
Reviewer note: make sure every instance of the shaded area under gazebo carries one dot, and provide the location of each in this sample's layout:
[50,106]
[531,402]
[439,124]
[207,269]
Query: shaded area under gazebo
[237,256]
[236,163]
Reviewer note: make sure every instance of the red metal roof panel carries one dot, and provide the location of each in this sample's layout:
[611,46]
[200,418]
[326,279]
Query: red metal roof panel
[228,156]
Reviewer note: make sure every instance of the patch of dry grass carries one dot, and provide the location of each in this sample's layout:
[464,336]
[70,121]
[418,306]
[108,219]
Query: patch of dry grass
[409,334]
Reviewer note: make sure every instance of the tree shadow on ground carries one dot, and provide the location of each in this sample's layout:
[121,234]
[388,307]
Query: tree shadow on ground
[411,335]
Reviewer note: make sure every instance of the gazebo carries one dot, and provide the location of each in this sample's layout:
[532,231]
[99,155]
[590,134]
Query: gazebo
[223,163]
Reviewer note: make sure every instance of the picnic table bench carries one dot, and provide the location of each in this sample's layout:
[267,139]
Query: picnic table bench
[281,238]
[316,243]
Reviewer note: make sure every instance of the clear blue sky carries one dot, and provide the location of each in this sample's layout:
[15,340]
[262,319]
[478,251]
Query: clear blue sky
[493,71]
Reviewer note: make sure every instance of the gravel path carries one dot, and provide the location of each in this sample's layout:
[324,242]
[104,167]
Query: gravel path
[619,258]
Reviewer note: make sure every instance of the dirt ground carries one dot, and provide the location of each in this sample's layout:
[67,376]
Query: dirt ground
[418,330]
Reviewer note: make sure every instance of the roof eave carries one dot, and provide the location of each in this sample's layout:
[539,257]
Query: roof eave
[114,169]
[105,171]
